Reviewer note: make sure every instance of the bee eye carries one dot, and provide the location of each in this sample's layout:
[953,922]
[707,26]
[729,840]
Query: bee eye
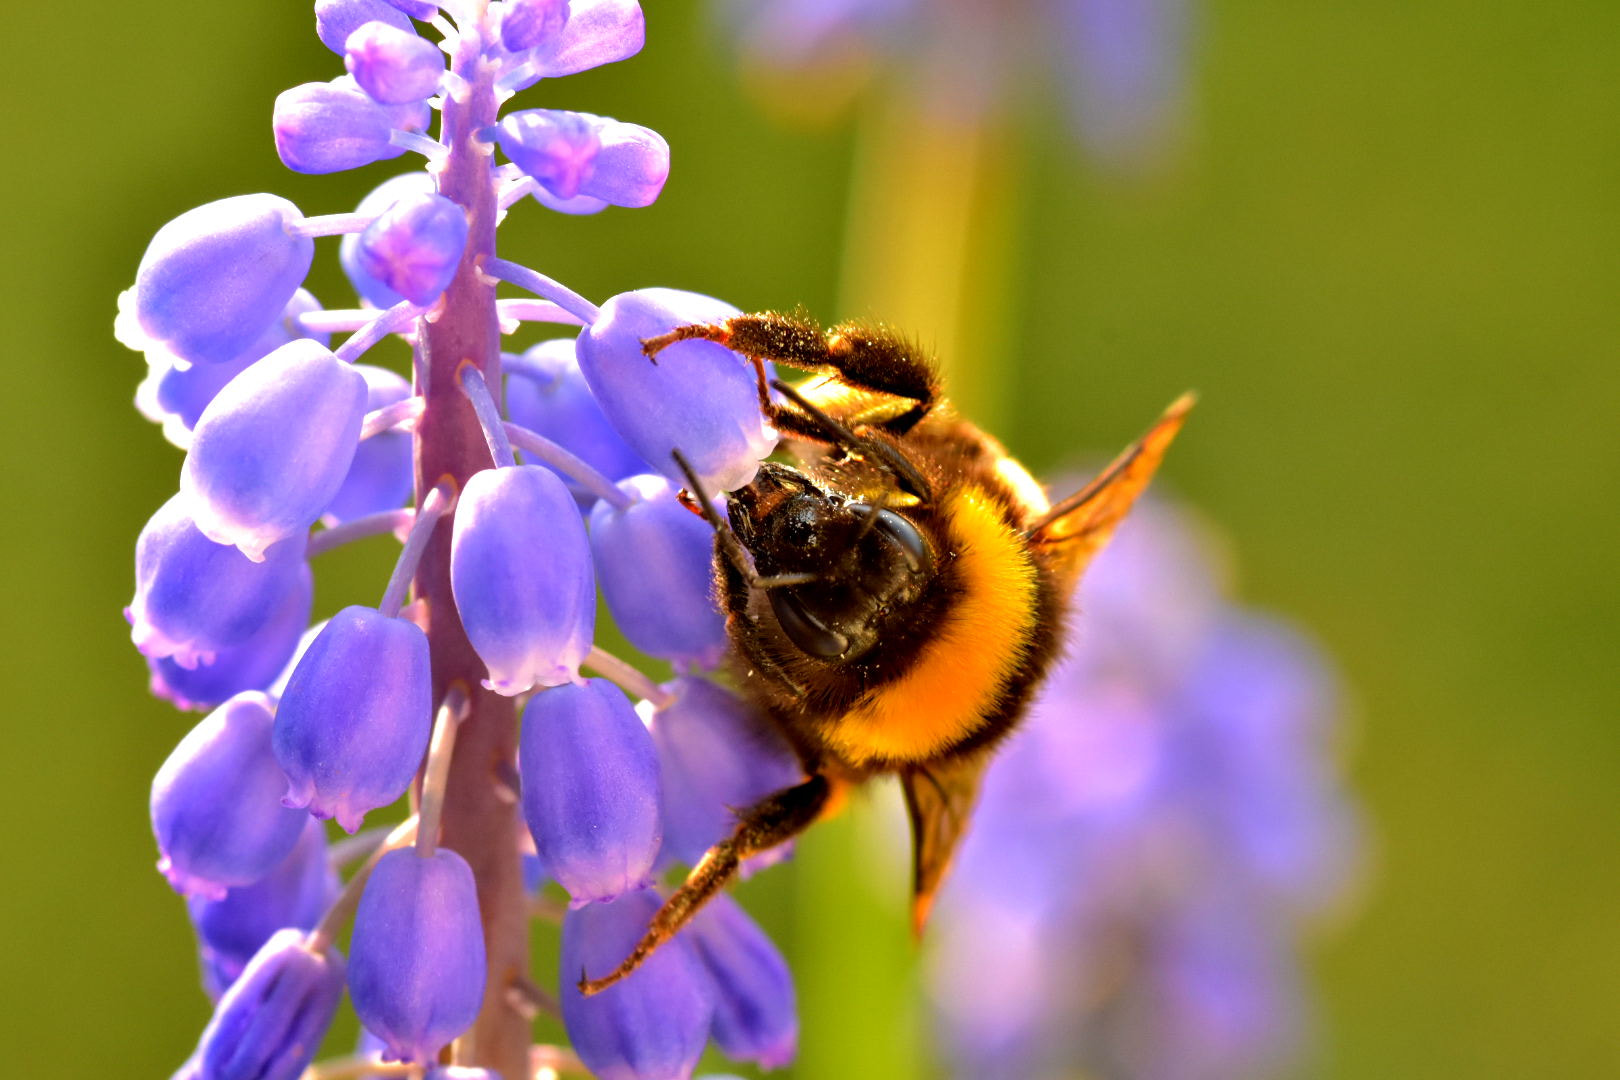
[906,535]
[804,629]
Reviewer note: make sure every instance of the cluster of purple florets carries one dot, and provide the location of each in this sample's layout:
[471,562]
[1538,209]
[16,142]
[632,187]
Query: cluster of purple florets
[294,447]
[1153,840]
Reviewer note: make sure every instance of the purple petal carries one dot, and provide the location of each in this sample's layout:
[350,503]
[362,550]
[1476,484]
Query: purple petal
[520,570]
[655,563]
[528,23]
[590,790]
[194,597]
[546,393]
[393,66]
[270,1022]
[273,448]
[296,893]
[631,166]
[381,475]
[215,278]
[335,20]
[700,398]
[415,246]
[216,802]
[355,718]
[416,969]
[251,665]
[755,1014]
[652,1025]
[718,755]
[385,195]
[597,32]
[556,148]
[322,128]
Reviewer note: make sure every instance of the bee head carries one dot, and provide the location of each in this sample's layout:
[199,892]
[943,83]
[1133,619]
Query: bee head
[867,563]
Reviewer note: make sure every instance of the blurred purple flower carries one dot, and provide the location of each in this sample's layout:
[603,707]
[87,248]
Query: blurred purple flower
[1150,842]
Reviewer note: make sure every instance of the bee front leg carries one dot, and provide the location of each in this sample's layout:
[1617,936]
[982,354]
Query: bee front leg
[775,820]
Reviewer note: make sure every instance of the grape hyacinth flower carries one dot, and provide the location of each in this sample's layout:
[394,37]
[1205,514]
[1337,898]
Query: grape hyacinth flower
[302,433]
[1152,841]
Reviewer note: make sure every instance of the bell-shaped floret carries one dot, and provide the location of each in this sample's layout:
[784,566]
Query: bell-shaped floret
[520,570]
[573,154]
[528,23]
[718,756]
[382,472]
[251,665]
[271,1021]
[273,448]
[755,1018]
[393,66]
[415,246]
[404,116]
[194,598]
[653,1024]
[590,790]
[216,802]
[416,962]
[655,562]
[296,893]
[597,32]
[546,393]
[416,9]
[175,393]
[699,398]
[335,20]
[355,717]
[384,195]
[324,128]
[215,278]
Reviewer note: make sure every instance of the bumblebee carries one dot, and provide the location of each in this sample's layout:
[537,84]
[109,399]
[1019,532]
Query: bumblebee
[895,597]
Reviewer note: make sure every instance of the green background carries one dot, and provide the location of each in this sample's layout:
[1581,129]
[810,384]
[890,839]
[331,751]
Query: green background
[1387,259]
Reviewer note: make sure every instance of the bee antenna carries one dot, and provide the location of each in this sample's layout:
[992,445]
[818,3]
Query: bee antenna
[734,551]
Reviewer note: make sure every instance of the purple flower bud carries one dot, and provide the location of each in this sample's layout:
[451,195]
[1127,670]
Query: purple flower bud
[416,970]
[415,246]
[754,1013]
[545,392]
[271,1021]
[699,398]
[335,20]
[718,755]
[655,562]
[382,473]
[355,718]
[573,154]
[272,449]
[579,204]
[416,9]
[216,807]
[215,278]
[393,66]
[175,393]
[520,571]
[528,23]
[194,597]
[597,32]
[296,894]
[404,116]
[651,1026]
[251,665]
[590,790]
[323,128]
[381,198]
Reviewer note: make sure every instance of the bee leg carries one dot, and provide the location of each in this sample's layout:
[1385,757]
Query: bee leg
[865,356]
[774,820]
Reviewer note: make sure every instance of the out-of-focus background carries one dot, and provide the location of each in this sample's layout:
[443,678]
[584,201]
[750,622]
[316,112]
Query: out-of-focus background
[1378,238]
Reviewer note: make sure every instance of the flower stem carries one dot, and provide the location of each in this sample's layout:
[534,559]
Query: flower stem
[478,824]
[626,677]
[437,772]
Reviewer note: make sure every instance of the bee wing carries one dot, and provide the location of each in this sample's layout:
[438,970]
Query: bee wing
[1081,524]
[940,798]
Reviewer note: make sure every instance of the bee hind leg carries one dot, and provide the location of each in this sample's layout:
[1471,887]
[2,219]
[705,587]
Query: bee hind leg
[772,821]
